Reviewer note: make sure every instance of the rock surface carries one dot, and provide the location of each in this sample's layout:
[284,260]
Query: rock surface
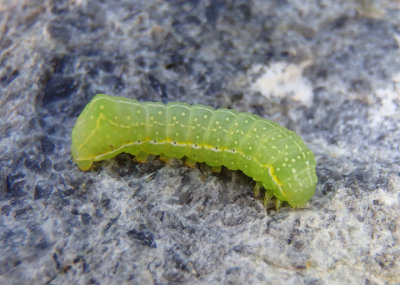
[329,70]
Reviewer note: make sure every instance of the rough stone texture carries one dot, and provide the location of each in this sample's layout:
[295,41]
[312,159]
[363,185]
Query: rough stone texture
[329,70]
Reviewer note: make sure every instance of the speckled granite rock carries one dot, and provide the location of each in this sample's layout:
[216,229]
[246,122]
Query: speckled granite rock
[329,70]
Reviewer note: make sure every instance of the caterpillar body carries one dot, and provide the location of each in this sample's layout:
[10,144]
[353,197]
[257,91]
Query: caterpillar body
[272,155]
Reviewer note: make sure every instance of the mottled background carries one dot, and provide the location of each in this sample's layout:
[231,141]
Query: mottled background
[327,69]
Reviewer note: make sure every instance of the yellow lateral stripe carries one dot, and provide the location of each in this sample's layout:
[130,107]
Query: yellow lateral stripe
[271,170]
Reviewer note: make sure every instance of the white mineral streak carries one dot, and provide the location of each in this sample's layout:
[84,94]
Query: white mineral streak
[281,79]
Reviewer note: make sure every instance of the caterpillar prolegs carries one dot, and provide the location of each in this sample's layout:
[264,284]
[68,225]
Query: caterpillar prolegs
[272,155]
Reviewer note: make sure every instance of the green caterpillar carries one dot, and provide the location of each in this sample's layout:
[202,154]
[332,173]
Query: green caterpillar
[272,155]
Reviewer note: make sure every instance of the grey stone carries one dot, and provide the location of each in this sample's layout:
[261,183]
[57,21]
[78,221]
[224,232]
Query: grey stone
[329,70]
